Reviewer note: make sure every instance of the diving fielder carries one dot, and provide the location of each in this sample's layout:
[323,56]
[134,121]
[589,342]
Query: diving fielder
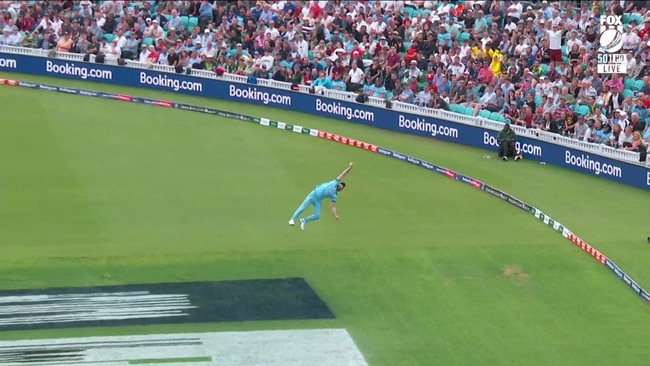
[322,191]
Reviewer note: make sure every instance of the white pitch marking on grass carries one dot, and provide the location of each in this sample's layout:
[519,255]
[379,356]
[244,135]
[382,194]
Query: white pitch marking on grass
[65,308]
[312,347]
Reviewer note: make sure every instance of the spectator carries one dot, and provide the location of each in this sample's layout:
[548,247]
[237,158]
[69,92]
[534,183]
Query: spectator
[322,82]
[5,38]
[48,41]
[355,78]
[153,30]
[114,51]
[65,44]
[500,56]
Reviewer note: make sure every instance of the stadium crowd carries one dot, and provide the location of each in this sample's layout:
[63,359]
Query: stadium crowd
[529,64]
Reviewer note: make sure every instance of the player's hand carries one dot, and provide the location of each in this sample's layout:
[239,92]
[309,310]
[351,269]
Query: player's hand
[351,165]
[337,217]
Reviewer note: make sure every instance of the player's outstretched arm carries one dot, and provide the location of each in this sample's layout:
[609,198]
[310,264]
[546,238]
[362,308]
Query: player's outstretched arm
[345,172]
[336,215]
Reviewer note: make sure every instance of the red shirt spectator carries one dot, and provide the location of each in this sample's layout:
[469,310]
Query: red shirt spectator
[645,31]
[485,75]
[315,11]
[357,52]
[27,24]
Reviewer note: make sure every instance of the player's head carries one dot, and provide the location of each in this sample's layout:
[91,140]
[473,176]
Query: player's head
[340,186]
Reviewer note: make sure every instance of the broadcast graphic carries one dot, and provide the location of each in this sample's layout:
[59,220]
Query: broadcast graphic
[610,58]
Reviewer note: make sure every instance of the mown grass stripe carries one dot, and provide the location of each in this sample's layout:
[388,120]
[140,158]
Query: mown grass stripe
[147,361]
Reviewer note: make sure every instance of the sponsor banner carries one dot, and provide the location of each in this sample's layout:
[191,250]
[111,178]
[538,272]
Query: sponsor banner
[187,107]
[506,197]
[28,85]
[304,347]
[627,280]
[159,103]
[468,180]
[166,303]
[630,174]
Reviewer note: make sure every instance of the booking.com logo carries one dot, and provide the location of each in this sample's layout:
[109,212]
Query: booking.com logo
[421,124]
[528,149]
[171,83]
[585,162]
[258,95]
[83,72]
[7,63]
[338,109]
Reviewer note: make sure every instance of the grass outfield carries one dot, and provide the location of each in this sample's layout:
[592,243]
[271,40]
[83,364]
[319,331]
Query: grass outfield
[421,270]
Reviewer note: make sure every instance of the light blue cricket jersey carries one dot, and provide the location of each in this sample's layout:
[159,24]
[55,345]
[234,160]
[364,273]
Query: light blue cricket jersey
[327,190]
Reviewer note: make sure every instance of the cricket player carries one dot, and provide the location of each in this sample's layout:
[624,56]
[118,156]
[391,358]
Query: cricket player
[322,191]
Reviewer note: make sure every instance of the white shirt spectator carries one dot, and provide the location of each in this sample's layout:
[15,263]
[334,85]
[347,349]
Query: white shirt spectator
[4,39]
[144,56]
[443,10]
[457,69]
[279,6]
[378,27]
[103,47]
[109,6]
[302,47]
[571,42]
[548,107]
[153,31]
[274,33]
[55,24]
[290,34]
[631,40]
[515,10]
[487,97]
[521,48]
[362,23]
[100,20]
[554,39]
[14,39]
[12,13]
[356,75]
[113,52]
[414,72]
[267,60]
[121,41]
[591,131]
[209,51]
[423,98]
[162,58]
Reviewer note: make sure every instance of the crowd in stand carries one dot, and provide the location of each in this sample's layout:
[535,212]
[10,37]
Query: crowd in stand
[529,64]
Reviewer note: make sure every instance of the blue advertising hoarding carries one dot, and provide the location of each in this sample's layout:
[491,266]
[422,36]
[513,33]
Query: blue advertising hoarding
[618,171]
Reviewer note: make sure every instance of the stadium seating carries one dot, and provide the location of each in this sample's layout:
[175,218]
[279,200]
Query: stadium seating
[633,81]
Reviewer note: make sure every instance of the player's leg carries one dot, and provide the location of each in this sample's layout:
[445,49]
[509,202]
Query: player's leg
[301,209]
[316,215]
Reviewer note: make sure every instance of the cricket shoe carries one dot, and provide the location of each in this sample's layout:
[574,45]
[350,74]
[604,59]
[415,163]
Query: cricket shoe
[302,224]
[291,222]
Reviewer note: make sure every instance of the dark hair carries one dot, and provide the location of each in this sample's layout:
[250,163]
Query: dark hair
[343,184]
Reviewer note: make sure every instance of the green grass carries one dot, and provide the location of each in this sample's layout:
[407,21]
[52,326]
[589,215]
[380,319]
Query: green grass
[169,360]
[101,192]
